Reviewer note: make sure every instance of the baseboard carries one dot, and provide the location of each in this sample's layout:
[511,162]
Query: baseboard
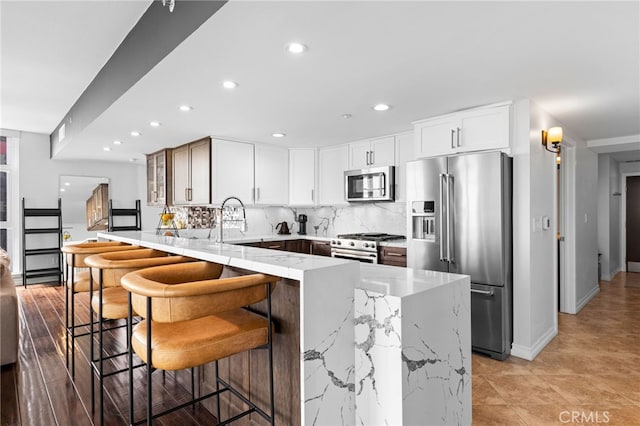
[582,302]
[529,353]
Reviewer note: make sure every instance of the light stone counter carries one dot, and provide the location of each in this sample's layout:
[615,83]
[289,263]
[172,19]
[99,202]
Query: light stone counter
[424,317]
[413,347]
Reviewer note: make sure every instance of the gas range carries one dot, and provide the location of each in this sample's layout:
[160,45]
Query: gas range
[361,246]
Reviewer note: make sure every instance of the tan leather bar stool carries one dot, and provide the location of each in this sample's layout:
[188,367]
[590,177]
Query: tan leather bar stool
[111,302]
[75,255]
[192,317]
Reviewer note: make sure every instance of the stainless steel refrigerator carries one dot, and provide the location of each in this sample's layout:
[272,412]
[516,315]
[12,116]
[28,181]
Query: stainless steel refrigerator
[459,221]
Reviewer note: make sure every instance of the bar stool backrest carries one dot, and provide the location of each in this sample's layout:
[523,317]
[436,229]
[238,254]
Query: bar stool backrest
[188,291]
[83,250]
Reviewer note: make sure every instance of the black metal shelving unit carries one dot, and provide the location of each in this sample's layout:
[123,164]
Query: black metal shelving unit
[28,253]
[135,213]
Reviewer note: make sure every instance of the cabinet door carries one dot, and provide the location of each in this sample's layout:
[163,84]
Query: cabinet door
[332,163]
[404,153]
[359,155]
[200,172]
[320,248]
[383,152]
[232,173]
[151,179]
[180,176]
[484,129]
[302,177]
[271,175]
[436,137]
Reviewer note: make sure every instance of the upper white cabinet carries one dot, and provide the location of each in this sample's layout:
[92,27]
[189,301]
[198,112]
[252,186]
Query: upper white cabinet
[232,173]
[332,163]
[302,177]
[191,177]
[372,153]
[404,152]
[271,175]
[479,129]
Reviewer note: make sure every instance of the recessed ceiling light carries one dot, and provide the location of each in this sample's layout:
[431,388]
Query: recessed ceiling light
[278,135]
[67,184]
[133,160]
[117,142]
[381,107]
[185,108]
[62,189]
[296,47]
[228,84]
[135,133]
[346,116]
[154,124]
[106,148]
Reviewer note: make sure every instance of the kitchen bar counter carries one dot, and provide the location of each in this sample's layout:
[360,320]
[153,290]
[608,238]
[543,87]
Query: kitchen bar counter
[330,380]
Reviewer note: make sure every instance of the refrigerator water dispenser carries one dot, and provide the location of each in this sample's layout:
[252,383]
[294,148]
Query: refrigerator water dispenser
[423,220]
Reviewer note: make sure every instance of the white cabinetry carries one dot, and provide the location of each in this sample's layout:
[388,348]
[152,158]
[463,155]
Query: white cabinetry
[271,175]
[372,153]
[192,173]
[404,153]
[232,171]
[478,129]
[302,177]
[332,163]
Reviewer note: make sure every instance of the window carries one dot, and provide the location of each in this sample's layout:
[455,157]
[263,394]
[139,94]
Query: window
[9,198]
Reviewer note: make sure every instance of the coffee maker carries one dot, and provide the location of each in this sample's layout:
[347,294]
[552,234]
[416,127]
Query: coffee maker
[302,224]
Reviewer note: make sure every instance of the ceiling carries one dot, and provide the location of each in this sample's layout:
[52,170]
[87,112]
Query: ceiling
[422,58]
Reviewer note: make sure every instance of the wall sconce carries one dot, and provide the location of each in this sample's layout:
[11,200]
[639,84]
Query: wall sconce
[554,137]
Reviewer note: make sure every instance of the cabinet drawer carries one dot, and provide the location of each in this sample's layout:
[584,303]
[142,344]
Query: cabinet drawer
[394,256]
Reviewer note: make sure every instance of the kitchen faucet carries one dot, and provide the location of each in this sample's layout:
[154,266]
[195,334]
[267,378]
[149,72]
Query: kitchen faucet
[243,227]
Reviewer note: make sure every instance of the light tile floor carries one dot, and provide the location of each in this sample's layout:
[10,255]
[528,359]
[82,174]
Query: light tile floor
[588,374]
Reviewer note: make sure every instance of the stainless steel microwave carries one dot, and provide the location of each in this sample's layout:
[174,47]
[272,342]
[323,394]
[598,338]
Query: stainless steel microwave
[374,184]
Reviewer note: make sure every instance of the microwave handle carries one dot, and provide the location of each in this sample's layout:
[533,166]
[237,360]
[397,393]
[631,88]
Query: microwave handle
[384,185]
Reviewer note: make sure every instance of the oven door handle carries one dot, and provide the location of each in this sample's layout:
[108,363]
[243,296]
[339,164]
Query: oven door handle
[353,255]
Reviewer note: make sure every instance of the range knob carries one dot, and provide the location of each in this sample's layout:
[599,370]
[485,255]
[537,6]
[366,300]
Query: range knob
[339,242]
[333,242]
[365,245]
[352,244]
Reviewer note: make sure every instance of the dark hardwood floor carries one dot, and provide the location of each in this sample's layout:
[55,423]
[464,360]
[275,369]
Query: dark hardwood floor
[38,389]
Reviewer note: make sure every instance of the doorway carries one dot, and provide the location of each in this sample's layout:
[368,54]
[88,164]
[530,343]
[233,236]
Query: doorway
[632,236]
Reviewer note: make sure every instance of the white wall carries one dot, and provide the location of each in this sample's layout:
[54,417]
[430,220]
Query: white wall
[535,250]
[39,175]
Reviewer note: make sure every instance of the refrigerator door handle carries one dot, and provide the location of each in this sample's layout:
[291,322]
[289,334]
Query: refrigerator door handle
[441,217]
[451,249]
[485,292]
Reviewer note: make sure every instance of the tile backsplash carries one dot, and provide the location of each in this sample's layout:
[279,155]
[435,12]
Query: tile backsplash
[322,221]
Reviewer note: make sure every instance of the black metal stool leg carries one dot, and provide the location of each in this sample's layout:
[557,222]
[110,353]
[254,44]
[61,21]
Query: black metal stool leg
[91,350]
[217,395]
[100,346]
[130,358]
[270,349]
[149,365]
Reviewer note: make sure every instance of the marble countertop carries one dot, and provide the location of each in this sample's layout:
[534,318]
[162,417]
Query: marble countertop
[280,237]
[390,280]
[402,282]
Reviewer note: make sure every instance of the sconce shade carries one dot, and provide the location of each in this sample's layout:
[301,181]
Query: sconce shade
[554,135]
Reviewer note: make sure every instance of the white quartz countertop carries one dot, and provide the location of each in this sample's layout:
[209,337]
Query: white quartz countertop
[278,263]
[402,282]
[389,280]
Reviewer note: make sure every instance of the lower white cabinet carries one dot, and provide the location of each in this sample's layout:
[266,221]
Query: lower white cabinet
[232,173]
[302,176]
[271,175]
[332,163]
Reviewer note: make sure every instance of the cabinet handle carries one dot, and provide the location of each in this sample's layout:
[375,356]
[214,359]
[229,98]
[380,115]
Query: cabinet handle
[394,254]
[368,152]
[458,130]
[253,194]
[186,194]
[275,246]
[312,195]
[453,146]
[373,157]
[257,194]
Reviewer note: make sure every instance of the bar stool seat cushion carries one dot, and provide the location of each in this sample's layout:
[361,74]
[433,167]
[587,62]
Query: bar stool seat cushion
[199,341]
[115,303]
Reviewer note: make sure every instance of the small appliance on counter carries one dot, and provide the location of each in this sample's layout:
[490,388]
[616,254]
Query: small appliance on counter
[302,224]
[283,228]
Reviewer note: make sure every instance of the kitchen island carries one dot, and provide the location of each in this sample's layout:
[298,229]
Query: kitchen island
[314,311]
